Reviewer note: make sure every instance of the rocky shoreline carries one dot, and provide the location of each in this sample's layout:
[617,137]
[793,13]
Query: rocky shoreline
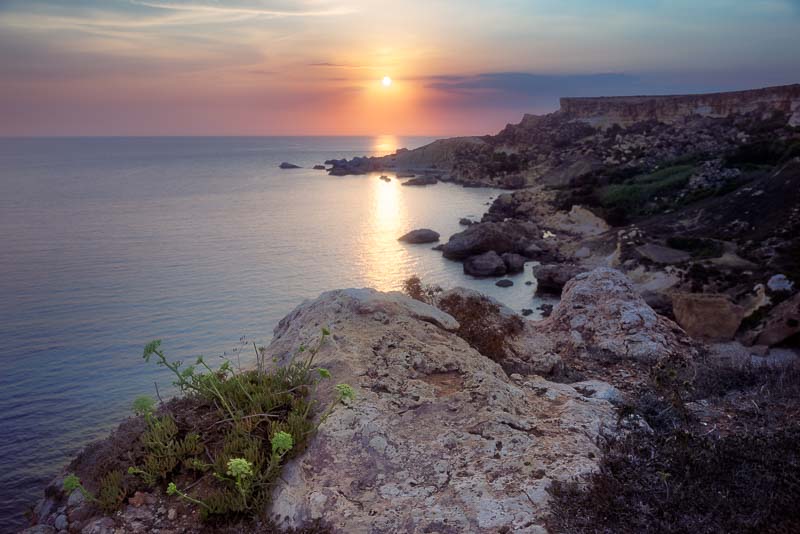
[670,229]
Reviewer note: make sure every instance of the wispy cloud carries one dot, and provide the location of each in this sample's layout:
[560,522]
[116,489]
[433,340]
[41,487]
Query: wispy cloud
[249,8]
[531,83]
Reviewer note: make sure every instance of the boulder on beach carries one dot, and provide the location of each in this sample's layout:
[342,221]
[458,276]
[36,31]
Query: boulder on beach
[551,279]
[707,316]
[486,264]
[422,235]
[319,167]
[386,178]
[287,165]
[423,180]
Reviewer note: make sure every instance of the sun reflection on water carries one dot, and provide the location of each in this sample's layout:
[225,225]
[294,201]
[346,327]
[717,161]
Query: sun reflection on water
[383,259]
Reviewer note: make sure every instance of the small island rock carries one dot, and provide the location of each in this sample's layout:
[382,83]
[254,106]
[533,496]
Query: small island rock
[287,165]
[422,235]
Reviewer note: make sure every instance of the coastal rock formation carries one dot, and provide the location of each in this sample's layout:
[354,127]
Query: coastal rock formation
[551,279]
[499,237]
[422,180]
[438,438]
[287,165]
[601,315]
[486,264]
[515,263]
[628,110]
[423,235]
[707,316]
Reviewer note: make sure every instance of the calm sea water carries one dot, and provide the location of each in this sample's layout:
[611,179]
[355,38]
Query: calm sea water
[106,244]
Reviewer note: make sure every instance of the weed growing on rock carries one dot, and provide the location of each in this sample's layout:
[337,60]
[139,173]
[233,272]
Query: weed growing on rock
[414,288]
[222,444]
[481,324]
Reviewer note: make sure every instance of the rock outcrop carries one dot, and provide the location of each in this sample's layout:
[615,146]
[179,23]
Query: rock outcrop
[601,315]
[628,110]
[707,316]
[439,438]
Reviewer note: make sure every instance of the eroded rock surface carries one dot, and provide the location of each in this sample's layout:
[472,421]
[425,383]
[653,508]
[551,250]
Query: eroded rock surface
[602,315]
[439,438]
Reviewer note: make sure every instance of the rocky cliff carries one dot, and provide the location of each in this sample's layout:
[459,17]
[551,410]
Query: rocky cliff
[624,111]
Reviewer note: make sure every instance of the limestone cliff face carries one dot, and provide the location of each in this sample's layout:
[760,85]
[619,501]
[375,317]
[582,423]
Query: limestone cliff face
[627,110]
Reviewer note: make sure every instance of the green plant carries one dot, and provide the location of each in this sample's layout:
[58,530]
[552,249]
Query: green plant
[634,194]
[247,423]
[72,482]
[144,405]
[112,491]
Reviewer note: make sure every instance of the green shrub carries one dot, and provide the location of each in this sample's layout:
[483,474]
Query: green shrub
[633,195]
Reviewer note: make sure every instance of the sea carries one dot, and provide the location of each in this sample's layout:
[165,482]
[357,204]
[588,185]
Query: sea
[204,243]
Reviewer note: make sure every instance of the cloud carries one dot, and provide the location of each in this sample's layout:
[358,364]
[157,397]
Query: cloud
[532,84]
[259,8]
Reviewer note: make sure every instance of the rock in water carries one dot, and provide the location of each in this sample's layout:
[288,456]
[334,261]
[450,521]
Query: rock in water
[504,283]
[551,279]
[487,264]
[707,316]
[424,180]
[433,427]
[466,222]
[501,237]
[423,235]
[515,263]
[287,165]
[319,167]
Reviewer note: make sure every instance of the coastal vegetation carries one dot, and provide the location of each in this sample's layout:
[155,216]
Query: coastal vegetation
[221,444]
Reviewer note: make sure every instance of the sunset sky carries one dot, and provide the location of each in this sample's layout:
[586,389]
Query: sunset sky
[262,67]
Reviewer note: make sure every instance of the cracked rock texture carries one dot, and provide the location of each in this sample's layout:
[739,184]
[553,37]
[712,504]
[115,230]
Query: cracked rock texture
[439,438]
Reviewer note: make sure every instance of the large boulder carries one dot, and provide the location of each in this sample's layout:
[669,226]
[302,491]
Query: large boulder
[438,438]
[515,263]
[423,235]
[782,322]
[707,316]
[487,264]
[551,279]
[602,315]
[500,237]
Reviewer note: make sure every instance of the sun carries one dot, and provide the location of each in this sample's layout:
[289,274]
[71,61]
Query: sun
[386,81]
